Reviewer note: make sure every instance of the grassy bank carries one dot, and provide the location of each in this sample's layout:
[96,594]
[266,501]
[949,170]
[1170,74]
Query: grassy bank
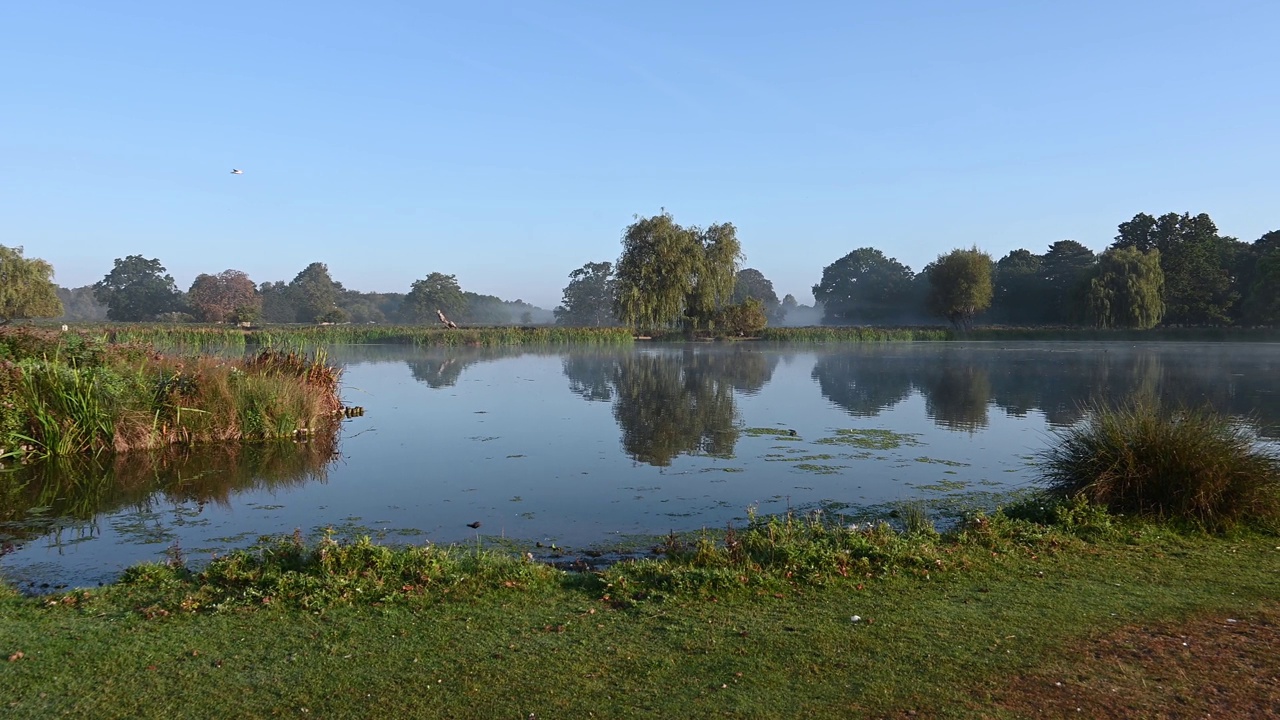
[790,617]
[64,394]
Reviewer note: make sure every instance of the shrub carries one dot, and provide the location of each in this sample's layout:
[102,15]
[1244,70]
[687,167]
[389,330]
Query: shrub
[1196,466]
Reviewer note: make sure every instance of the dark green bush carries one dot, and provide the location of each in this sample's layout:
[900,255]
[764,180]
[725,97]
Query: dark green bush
[1194,466]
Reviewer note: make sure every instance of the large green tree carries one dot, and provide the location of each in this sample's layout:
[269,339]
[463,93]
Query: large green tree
[669,274]
[1064,270]
[1020,297]
[588,298]
[435,292]
[26,287]
[315,295]
[1199,265]
[1262,303]
[960,285]
[224,297]
[865,287]
[1126,290]
[751,283]
[137,289]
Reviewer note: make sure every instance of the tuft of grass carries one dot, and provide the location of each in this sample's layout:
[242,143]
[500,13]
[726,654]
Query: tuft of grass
[1191,465]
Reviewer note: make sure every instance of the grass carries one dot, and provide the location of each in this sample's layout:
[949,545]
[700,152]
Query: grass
[206,337]
[944,624]
[65,394]
[1190,465]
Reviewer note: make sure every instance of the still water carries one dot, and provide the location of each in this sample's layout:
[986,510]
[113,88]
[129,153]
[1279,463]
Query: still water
[590,447]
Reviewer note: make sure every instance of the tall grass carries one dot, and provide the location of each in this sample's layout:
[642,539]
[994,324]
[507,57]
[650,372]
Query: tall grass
[855,334]
[73,397]
[1192,465]
[211,338]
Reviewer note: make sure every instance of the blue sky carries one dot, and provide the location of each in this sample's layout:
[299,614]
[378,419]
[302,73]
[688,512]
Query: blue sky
[510,143]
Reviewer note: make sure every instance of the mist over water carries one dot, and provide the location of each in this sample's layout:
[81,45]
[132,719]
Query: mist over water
[588,446]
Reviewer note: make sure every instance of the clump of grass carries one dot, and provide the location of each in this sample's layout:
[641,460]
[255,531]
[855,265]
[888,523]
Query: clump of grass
[1195,466]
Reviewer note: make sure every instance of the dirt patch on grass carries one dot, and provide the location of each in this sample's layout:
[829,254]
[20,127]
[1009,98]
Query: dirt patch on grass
[1208,667]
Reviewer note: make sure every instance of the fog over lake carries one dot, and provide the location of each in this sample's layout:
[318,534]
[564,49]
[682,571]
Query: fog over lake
[591,446]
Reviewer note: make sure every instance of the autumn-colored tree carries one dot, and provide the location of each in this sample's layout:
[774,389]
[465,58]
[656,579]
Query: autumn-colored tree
[224,297]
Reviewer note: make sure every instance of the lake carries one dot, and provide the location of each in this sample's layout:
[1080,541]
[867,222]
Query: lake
[590,447]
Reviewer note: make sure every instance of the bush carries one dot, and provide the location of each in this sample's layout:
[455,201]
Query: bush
[1183,465]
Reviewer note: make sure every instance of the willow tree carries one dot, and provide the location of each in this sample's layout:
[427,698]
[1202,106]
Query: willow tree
[960,285]
[26,287]
[670,274]
[1126,289]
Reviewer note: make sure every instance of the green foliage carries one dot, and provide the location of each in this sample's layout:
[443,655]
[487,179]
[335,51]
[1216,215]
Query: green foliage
[669,274]
[314,294]
[137,289]
[1126,290]
[1064,270]
[960,285]
[589,297]
[26,287]
[1262,305]
[866,287]
[80,304]
[1019,295]
[745,318]
[1193,466]
[436,292]
[751,283]
[1198,264]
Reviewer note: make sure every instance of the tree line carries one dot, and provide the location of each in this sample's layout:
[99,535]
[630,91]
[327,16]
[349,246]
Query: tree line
[1171,270]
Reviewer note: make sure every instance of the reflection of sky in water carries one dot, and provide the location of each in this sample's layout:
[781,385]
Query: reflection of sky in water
[499,437]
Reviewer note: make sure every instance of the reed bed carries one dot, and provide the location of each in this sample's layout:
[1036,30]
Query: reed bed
[207,338]
[66,394]
[855,333]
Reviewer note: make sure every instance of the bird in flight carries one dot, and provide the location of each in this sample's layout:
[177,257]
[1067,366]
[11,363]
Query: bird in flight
[237,172]
[473,525]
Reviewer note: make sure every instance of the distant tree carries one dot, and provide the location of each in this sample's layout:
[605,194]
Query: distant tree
[361,308]
[526,318]
[1019,296]
[745,318]
[669,274]
[1262,304]
[218,298]
[1198,265]
[865,287]
[26,287]
[436,291]
[137,289]
[484,310]
[751,283]
[1126,290]
[80,304]
[315,294]
[1064,269]
[960,285]
[278,305]
[588,298]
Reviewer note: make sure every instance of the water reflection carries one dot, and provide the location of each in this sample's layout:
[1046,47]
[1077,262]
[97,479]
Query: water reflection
[65,495]
[672,402]
[959,382]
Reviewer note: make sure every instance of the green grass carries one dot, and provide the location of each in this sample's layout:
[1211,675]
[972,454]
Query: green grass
[1188,465]
[523,640]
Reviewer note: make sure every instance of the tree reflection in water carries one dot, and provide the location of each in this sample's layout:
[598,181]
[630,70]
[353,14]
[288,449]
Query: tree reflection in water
[65,494]
[671,403]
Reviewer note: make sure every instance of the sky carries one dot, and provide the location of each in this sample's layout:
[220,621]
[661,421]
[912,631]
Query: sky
[509,143]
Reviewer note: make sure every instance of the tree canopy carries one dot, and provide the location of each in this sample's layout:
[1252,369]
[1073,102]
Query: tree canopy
[224,297]
[1197,262]
[751,283]
[865,287]
[1126,290]
[588,298]
[436,291]
[26,287]
[960,285]
[315,295]
[137,289]
[669,274]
